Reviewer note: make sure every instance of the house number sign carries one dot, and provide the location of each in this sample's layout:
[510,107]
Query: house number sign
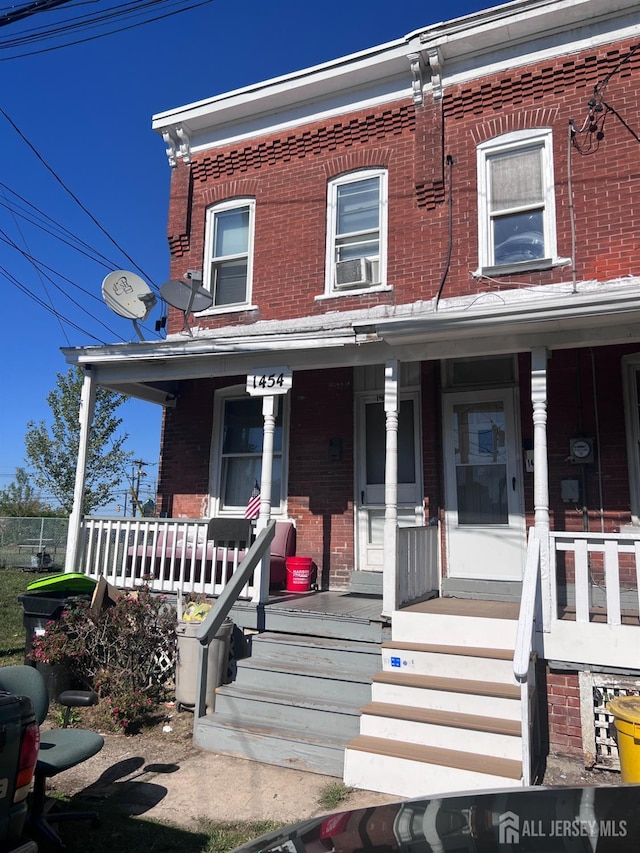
[269,380]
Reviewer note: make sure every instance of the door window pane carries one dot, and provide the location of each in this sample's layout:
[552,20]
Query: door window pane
[481,463]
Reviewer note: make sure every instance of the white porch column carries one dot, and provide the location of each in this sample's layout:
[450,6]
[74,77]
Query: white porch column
[269,413]
[390,548]
[541,471]
[85,416]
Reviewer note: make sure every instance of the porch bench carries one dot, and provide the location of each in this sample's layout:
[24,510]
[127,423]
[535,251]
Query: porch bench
[165,550]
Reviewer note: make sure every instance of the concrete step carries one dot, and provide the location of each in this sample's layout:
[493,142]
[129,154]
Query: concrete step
[482,735]
[450,661]
[458,695]
[274,743]
[297,710]
[412,770]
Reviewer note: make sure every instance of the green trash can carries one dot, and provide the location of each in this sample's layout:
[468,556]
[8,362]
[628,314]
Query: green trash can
[45,601]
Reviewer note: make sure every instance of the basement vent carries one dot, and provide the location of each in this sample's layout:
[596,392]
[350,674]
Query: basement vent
[598,732]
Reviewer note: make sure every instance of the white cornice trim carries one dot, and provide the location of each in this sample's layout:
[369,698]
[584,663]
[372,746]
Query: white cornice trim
[505,36]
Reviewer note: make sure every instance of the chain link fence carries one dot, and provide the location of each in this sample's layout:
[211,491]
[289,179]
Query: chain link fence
[33,544]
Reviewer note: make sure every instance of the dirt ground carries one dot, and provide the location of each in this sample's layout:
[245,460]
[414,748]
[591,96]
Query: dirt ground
[159,774]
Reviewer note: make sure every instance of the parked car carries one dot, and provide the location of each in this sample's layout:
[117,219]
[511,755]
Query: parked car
[594,819]
[19,741]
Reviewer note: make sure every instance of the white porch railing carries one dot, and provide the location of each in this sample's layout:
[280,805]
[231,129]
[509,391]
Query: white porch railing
[523,658]
[170,555]
[417,567]
[593,599]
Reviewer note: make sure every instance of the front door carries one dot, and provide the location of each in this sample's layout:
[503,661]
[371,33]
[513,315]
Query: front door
[370,474]
[485,524]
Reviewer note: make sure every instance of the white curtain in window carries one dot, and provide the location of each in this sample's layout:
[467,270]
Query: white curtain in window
[515,179]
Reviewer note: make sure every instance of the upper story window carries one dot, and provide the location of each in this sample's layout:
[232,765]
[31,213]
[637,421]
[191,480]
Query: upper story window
[229,252]
[356,231]
[517,228]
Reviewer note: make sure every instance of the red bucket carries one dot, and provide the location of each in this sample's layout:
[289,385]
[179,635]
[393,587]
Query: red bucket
[299,574]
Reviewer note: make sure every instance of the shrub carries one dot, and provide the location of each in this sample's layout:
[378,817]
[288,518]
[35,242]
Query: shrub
[120,652]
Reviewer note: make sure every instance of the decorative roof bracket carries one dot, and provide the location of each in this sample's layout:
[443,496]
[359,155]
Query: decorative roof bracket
[178,144]
[426,63]
[417,66]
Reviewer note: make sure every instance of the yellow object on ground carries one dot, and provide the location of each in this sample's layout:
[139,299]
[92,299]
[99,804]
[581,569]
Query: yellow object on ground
[626,716]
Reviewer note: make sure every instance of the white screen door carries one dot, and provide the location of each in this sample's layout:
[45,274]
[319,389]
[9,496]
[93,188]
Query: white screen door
[484,504]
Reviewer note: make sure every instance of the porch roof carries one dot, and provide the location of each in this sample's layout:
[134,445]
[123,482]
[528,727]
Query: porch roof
[555,317]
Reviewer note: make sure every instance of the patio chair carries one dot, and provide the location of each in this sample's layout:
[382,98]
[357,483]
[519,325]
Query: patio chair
[60,749]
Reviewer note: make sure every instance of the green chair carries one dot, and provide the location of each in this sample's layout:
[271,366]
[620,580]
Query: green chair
[60,749]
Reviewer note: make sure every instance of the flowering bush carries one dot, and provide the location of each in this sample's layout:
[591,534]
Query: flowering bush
[124,652]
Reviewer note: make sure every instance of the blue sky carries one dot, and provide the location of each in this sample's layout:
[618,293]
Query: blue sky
[86,110]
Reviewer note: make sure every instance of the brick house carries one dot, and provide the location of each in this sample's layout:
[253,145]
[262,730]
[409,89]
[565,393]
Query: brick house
[428,250]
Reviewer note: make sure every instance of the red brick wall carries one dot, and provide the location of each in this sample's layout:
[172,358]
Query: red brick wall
[320,486]
[288,172]
[565,731]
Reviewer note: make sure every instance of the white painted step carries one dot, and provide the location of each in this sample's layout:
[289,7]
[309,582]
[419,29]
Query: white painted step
[409,770]
[462,696]
[448,661]
[461,623]
[480,735]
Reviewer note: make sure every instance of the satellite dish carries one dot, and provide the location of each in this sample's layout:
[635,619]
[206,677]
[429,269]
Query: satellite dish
[128,295]
[187,296]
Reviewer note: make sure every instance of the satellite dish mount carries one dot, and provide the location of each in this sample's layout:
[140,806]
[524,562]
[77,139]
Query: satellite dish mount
[187,296]
[129,296]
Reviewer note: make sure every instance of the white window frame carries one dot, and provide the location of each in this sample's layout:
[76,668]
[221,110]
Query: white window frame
[630,374]
[331,289]
[230,204]
[512,142]
[239,392]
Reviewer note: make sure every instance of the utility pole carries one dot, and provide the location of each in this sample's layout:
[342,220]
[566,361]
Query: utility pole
[137,474]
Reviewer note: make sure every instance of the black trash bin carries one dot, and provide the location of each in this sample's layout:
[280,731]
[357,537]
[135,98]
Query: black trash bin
[39,608]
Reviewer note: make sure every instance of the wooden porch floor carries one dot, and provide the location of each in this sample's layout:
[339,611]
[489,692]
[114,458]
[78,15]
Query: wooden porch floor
[330,603]
[467,607]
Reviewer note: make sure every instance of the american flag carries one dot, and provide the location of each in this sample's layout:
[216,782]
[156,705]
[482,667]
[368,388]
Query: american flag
[253,507]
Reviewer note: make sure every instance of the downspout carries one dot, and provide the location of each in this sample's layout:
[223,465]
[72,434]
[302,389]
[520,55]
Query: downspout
[85,416]
[449,231]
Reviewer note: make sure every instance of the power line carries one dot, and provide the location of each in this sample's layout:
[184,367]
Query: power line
[54,32]
[28,10]
[57,177]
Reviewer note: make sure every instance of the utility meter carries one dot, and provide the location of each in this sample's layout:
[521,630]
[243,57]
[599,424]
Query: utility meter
[581,450]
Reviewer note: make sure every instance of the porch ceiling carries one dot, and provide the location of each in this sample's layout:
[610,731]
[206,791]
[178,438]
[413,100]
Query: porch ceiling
[486,324]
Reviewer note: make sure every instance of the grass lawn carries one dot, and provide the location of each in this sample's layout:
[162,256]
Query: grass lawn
[117,831]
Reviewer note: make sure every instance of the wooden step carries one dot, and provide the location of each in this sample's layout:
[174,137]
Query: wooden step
[454,719]
[449,685]
[467,651]
[503,767]
[275,743]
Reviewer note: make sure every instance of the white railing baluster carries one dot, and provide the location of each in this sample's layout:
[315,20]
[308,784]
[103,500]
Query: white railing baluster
[582,580]
[170,555]
[417,568]
[612,582]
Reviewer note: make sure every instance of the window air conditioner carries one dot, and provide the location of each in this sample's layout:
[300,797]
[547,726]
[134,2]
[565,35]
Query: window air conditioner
[353,272]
